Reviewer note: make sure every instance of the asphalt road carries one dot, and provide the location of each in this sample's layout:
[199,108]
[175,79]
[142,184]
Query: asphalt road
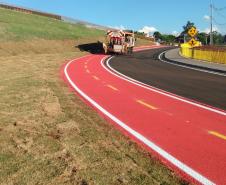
[144,66]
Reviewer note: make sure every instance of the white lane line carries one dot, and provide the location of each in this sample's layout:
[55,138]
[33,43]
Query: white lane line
[188,67]
[137,135]
[151,88]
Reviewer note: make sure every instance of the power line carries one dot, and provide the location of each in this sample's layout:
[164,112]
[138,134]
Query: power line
[216,11]
[220,14]
[219,9]
[220,24]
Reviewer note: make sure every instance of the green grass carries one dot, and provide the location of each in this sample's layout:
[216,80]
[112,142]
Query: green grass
[20,26]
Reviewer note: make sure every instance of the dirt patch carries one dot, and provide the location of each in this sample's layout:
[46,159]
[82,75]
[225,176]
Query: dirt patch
[69,127]
[1,88]
[23,143]
[52,109]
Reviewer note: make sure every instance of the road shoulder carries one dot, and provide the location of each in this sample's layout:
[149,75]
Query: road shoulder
[173,55]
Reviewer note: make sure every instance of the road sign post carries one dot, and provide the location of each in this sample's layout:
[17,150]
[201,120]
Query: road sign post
[192,32]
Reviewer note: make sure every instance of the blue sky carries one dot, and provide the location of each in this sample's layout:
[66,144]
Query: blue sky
[162,15]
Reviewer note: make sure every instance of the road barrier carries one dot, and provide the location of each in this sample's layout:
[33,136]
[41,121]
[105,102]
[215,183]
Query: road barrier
[202,53]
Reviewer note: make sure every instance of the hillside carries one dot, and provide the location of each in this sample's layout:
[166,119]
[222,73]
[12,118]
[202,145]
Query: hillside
[48,135]
[20,26]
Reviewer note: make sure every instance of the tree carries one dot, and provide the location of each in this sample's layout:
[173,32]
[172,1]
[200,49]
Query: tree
[168,38]
[202,37]
[157,35]
[218,38]
[164,37]
[188,26]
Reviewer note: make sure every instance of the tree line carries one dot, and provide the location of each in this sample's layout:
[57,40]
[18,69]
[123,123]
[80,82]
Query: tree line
[204,38]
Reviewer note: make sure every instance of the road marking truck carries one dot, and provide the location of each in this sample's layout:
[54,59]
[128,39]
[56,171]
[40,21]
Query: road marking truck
[120,42]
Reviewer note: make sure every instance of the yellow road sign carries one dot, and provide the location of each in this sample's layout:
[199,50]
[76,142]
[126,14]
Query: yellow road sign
[192,31]
[192,42]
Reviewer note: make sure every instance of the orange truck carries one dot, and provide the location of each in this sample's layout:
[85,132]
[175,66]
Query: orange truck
[119,42]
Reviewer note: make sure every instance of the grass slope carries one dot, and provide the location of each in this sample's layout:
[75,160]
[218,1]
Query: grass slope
[47,134]
[21,26]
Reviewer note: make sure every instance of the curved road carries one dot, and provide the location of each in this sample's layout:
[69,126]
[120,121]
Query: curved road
[187,136]
[144,66]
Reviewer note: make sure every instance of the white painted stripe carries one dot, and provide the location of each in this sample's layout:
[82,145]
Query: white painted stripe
[140,137]
[188,67]
[151,88]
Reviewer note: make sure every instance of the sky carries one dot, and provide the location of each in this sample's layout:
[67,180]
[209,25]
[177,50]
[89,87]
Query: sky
[165,16]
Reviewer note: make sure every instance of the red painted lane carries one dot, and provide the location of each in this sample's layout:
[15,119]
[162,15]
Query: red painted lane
[179,128]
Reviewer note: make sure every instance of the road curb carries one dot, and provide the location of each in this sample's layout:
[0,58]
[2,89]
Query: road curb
[193,66]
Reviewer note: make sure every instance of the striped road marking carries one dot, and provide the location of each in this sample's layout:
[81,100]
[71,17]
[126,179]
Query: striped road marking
[96,78]
[112,87]
[147,105]
[217,134]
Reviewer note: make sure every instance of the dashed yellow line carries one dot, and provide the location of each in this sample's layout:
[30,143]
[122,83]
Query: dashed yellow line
[96,78]
[112,87]
[86,67]
[217,134]
[87,71]
[147,105]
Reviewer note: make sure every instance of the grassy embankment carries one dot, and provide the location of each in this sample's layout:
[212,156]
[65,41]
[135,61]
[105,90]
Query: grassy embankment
[47,134]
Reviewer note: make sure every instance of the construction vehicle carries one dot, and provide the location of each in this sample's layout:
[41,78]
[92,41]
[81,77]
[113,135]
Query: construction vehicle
[119,42]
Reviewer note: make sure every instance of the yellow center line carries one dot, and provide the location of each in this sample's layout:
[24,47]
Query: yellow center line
[87,71]
[147,105]
[112,87]
[86,67]
[96,78]
[217,134]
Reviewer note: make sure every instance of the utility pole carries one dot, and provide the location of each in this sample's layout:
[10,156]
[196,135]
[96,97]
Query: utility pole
[211,22]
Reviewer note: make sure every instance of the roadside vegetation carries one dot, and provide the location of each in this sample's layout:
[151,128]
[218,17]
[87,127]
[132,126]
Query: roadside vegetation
[19,26]
[48,135]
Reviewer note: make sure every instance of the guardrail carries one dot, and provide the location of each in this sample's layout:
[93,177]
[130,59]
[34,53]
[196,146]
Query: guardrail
[215,56]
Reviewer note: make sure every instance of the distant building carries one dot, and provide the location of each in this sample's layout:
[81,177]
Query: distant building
[180,39]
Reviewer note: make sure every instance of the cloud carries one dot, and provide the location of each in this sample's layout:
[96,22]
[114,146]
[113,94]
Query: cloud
[206,17]
[175,33]
[148,29]
[121,27]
